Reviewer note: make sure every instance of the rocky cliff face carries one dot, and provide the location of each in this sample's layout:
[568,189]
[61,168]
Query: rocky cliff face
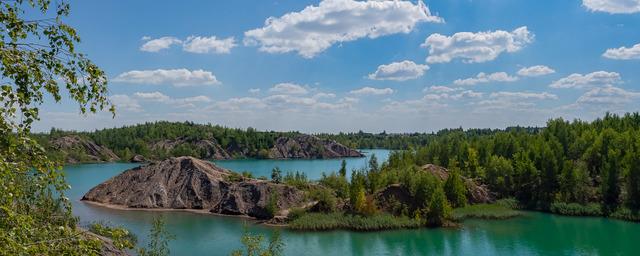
[307,146]
[211,148]
[77,149]
[190,183]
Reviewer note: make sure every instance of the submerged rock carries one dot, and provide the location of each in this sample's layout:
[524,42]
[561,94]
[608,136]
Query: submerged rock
[77,149]
[308,146]
[190,183]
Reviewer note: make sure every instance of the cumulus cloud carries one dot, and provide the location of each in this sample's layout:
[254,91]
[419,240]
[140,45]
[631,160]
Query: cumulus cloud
[623,53]
[176,77]
[177,102]
[197,44]
[372,91]
[608,95]
[524,95]
[613,6]
[440,89]
[476,47]
[316,28]
[156,45]
[595,79]
[486,78]
[285,102]
[466,94]
[254,90]
[193,44]
[124,102]
[538,70]
[399,71]
[289,88]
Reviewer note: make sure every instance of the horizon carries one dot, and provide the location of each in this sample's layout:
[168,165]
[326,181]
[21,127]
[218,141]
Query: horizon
[399,67]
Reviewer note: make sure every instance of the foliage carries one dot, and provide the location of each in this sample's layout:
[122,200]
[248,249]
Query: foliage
[39,57]
[254,245]
[455,189]
[337,183]
[326,200]
[159,238]
[272,204]
[343,168]
[575,209]
[297,179]
[484,211]
[332,221]
[276,175]
[121,237]
[439,208]
[627,214]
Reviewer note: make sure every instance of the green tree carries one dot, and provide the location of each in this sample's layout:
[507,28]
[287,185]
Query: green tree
[159,238]
[610,184]
[276,175]
[360,203]
[633,180]
[439,208]
[253,245]
[455,189]
[39,57]
[343,168]
[373,164]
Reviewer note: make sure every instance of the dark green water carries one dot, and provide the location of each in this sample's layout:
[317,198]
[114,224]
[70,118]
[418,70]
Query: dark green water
[198,234]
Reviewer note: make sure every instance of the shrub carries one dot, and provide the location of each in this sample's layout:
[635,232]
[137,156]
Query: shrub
[575,209]
[626,214]
[484,211]
[121,237]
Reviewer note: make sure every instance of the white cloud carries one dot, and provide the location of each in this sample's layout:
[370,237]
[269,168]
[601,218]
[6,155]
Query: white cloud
[595,79]
[372,91]
[524,95]
[486,78]
[538,70]
[177,102]
[239,103]
[289,88]
[124,102]
[176,77]
[467,94]
[316,28]
[608,95]
[613,6]
[254,90]
[197,44]
[475,47]
[153,96]
[623,53]
[156,45]
[399,71]
[440,89]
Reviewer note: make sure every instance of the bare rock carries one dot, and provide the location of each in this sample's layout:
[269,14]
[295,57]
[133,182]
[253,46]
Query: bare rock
[137,159]
[308,146]
[190,183]
[210,147]
[77,149]
[476,193]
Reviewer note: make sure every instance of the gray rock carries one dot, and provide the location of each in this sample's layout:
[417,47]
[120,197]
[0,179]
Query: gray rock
[190,183]
[308,146]
[77,149]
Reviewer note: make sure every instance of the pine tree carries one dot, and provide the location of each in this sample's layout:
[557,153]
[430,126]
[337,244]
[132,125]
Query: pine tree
[455,189]
[633,180]
[343,168]
[439,208]
[276,175]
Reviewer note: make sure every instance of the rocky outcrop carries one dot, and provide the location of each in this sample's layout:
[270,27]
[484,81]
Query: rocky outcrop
[77,149]
[308,146]
[137,159]
[210,147]
[476,193]
[190,183]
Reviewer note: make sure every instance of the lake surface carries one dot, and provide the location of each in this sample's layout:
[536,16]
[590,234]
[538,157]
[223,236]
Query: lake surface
[200,234]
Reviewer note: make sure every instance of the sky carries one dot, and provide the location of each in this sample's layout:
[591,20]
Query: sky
[344,65]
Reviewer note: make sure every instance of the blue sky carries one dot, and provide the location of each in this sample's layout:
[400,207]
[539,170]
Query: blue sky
[343,65]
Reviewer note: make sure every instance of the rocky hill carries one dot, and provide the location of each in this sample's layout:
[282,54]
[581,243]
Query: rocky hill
[190,183]
[76,149]
[307,146]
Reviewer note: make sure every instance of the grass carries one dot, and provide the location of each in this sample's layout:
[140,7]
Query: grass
[485,211]
[574,209]
[626,214]
[333,221]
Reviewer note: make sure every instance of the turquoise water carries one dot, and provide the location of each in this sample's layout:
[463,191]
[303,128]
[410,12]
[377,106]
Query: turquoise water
[200,234]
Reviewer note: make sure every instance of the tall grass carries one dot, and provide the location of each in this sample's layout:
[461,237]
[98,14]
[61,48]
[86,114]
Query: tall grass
[484,211]
[332,221]
[626,214]
[574,209]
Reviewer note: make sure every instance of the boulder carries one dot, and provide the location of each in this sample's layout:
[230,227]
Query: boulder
[308,147]
[77,149]
[190,183]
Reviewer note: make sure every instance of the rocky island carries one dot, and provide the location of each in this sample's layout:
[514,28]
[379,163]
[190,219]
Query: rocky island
[188,183]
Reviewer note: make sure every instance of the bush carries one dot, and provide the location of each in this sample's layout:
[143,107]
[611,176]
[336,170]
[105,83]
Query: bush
[626,214]
[326,200]
[484,211]
[574,209]
[338,183]
[296,213]
[121,237]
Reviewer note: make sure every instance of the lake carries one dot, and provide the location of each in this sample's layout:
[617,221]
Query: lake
[201,234]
